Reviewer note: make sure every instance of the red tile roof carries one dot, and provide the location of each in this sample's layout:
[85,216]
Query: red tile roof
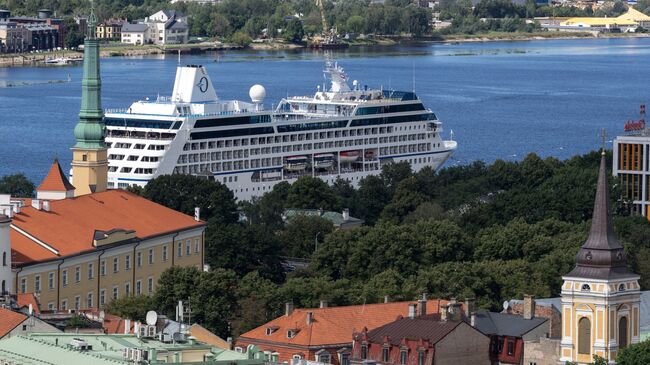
[428,327]
[332,325]
[69,227]
[9,320]
[25,299]
[55,180]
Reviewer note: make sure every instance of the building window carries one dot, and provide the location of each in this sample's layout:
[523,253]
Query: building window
[64,276]
[127,289]
[586,287]
[501,342]
[197,245]
[37,283]
[91,271]
[116,264]
[584,336]
[77,274]
[345,359]
[23,285]
[139,259]
[127,262]
[180,249]
[164,253]
[4,259]
[50,281]
[364,351]
[77,302]
[116,292]
[151,256]
[385,354]
[102,268]
[188,247]
[403,356]
[422,355]
[102,297]
[64,304]
[622,333]
[138,287]
[50,306]
[150,285]
[511,348]
[89,300]
[325,358]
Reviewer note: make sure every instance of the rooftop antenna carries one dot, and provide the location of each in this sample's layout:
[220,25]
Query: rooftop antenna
[413,72]
[603,137]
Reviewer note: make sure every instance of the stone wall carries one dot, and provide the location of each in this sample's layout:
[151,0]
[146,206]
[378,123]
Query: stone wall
[545,351]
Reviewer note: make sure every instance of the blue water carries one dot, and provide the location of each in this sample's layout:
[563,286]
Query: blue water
[501,99]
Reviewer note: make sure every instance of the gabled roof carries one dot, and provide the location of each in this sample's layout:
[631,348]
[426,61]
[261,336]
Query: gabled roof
[502,324]
[9,320]
[55,179]
[25,299]
[68,228]
[428,327]
[134,28]
[203,335]
[634,15]
[332,325]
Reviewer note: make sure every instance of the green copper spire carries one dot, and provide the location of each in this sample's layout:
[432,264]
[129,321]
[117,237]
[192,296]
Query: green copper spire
[89,132]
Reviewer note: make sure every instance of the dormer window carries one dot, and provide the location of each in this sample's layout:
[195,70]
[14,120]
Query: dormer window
[585,287]
[292,333]
[271,330]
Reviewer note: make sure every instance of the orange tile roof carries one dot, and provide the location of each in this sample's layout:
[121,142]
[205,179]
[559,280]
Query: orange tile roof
[9,320]
[332,325]
[69,227]
[55,179]
[25,299]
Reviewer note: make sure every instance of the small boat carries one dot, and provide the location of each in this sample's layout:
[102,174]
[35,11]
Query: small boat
[349,156]
[62,61]
[295,163]
[323,160]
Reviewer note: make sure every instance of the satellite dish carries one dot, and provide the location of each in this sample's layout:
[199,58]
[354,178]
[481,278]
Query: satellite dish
[506,305]
[152,318]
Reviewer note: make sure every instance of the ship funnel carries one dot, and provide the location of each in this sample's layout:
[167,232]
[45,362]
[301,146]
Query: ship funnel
[193,85]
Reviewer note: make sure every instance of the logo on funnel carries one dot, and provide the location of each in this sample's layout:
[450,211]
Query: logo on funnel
[203,84]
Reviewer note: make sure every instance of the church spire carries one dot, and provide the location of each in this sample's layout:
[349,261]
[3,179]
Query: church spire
[89,160]
[601,256]
[89,132]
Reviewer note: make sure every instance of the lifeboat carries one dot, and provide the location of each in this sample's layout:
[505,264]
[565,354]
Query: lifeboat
[323,160]
[296,163]
[349,156]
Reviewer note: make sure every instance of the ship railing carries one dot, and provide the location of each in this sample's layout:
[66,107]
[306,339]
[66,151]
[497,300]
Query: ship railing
[229,112]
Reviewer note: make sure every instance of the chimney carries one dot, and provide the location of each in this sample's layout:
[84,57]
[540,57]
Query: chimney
[470,307]
[346,214]
[529,307]
[36,204]
[473,320]
[323,303]
[412,310]
[443,313]
[422,305]
[310,318]
[288,308]
[452,300]
[455,312]
[127,326]
[386,298]
[46,205]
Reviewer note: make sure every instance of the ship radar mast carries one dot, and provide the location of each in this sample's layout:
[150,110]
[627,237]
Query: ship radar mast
[337,76]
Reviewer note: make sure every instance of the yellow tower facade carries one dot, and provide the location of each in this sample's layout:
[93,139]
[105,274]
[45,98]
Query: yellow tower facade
[600,296]
[89,154]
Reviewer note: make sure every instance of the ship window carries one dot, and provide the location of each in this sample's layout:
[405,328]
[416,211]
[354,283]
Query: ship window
[132,158]
[140,146]
[125,169]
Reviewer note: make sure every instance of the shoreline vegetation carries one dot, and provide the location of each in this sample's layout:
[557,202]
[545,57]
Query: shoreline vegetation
[117,50]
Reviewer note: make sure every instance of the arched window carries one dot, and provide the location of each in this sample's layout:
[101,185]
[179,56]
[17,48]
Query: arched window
[584,336]
[622,332]
[586,287]
[4,259]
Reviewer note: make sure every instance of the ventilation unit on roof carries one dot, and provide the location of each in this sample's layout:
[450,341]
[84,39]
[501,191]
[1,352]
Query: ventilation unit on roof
[79,344]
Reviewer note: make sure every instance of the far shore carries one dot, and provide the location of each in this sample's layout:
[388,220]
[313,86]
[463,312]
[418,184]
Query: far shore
[118,50]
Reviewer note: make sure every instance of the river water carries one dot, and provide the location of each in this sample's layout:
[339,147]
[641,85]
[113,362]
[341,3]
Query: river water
[501,99]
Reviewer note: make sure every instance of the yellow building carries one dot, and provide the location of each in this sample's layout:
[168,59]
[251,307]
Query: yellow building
[82,252]
[628,21]
[600,296]
[110,29]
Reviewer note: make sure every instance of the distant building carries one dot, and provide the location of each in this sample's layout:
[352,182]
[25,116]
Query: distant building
[422,338]
[110,29]
[13,38]
[98,349]
[134,34]
[341,220]
[322,334]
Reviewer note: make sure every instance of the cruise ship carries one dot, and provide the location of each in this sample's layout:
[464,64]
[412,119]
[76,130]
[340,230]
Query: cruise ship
[339,132]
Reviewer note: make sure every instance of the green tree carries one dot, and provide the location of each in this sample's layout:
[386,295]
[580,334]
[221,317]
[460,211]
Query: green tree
[17,185]
[293,31]
[301,234]
[131,307]
[258,302]
[355,24]
[309,192]
[637,354]
[240,39]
